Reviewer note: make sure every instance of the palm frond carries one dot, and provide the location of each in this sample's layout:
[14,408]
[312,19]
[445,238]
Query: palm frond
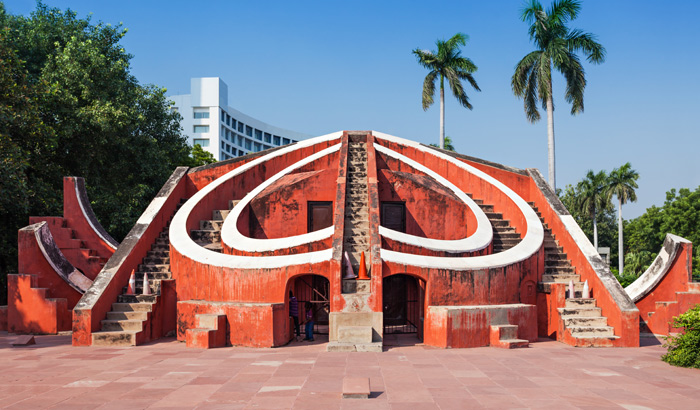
[563,11]
[425,58]
[457,88]
[575,82]
[531,95]
[577,40]
[429,89]
[459,39]
[519,80]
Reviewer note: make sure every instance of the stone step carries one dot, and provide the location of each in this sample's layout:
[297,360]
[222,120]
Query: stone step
[556,263]
[138,315]
[121,325]
[580,302]
[592,331]
[559,270]
[157,247]
[486,208]
[210,225]
[215,247]
[561,278]
[137,298]
[567,312]
[504,229]
[152,276]
[232,203]
[156,260]
[149,267]
[206,236]
[504,236]
[162,242]
[494,215]
[219,214]
[585,321]
[164,234]
[555,256]
[114,338]
[375,347]
[132,307]
[498,223]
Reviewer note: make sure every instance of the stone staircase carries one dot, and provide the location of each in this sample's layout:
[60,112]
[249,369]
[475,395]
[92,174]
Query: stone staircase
[580,316]
[129,322]
[209,233]
[506,337]
[504,235]
[353,327]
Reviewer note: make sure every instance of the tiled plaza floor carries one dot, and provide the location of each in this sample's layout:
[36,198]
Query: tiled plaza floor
[166,374]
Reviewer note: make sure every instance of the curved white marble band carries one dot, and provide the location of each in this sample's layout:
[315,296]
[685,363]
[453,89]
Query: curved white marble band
[232,237]
[475,242]
[648,280]
[181,241]
[531,243]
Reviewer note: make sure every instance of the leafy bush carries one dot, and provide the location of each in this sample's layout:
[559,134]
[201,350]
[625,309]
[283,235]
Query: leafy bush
[684,348]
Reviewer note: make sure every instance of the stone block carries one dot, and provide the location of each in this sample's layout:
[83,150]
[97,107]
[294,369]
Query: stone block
[355,334]
[24,340]
[373,319]
[356,388]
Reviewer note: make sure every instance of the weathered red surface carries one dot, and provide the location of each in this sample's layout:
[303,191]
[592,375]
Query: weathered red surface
[625,322]
[249,324]
[31,310]
[26,304]
[673,295]
[471,327]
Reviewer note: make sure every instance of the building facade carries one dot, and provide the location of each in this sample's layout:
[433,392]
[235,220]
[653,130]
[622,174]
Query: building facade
[209,121]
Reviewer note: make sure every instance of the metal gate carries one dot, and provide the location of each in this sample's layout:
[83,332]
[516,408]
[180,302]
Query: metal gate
[402,307]
[314,289]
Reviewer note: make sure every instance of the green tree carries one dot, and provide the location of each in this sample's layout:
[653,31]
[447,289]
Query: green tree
[70,106]
[199,156]
[622,182]
[593,198]
[605,219]
[448,144]
[557,46]
[446,62]
[679,215]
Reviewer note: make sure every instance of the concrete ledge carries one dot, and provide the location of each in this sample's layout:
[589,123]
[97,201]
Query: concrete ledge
[648,280]
[355,334]
[374,320]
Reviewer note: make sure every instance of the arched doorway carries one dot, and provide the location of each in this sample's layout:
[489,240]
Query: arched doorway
[316,290]
[403,297]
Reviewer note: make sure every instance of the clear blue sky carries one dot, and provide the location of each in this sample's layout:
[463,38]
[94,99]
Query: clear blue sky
[318,67]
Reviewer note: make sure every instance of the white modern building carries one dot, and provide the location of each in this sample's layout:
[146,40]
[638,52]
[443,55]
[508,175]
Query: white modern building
[208,121]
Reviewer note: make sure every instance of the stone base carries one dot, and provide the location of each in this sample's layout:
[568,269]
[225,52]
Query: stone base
[376,347]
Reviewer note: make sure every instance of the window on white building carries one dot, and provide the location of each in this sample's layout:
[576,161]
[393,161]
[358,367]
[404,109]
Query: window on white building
[201,128]
[202,142]
[276,140]
[201,113]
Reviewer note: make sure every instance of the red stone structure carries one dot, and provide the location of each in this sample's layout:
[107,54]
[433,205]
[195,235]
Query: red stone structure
[460,251]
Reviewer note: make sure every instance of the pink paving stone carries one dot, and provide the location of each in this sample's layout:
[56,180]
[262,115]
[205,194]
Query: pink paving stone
[165,373]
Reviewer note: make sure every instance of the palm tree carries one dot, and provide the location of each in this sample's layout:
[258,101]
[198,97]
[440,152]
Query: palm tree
[593,197]
[622,182]
[557,46]
[446,62]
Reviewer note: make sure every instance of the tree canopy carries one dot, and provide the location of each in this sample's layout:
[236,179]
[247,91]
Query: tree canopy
[70,106]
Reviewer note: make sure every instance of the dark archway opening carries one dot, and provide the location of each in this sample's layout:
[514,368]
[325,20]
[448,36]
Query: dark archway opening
[403,297]
[316,290]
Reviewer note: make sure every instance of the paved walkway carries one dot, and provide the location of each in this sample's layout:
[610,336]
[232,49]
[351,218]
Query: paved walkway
[166,374]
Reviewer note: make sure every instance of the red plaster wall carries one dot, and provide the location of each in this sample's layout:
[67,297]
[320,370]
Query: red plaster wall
[253,325]
[465,181]
[30,310]
[282,211]
[30,260]
[674,287]
[431,212]
[472,327]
